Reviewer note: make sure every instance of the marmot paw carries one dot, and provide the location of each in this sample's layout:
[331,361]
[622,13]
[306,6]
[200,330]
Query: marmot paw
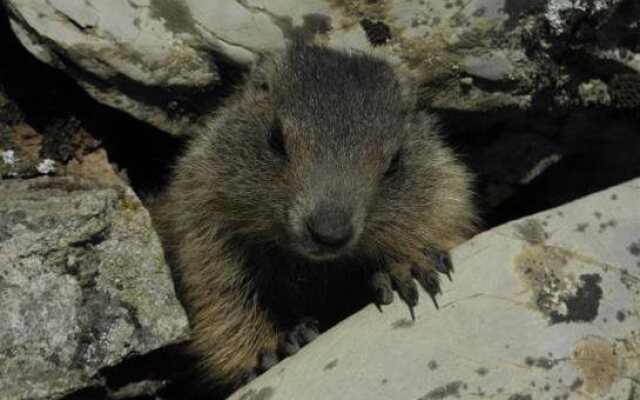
[401,276]
[289,343]
[304,332]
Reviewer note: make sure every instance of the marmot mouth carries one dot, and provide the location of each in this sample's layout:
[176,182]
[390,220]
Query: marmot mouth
[323,255]
[324,248]
[328,233]
[315,252]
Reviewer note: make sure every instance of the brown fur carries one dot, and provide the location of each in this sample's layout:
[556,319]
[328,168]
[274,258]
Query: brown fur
[231,217]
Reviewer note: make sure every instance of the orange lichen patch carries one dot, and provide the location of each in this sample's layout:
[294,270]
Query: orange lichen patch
[541,271]
[94,165]
[83,143]
[559,294]
[597,364]
[28,139]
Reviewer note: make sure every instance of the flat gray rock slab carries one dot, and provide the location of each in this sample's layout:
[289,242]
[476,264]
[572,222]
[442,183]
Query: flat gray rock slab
[546,307]
[83,285]
[163,61]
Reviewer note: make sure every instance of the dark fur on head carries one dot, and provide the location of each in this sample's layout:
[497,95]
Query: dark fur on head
[321,163]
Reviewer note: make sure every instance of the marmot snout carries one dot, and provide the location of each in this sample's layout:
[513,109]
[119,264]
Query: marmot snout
[317,189]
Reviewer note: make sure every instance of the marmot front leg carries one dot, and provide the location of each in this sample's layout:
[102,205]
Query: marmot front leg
[233,335]
[229,328]
[288,344]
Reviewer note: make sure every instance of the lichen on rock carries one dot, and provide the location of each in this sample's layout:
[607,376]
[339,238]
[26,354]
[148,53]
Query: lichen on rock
[84,285]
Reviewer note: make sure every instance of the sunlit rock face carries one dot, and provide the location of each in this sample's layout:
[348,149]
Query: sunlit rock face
[83,285]
[166,62]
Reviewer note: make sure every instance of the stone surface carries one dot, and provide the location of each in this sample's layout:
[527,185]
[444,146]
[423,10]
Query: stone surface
[546,307]
[64,147]
[120,41]
[165,61]
[83,285]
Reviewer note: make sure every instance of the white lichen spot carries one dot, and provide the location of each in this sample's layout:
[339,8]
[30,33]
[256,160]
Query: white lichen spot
[554,11]
[8,157]
[47,166]
[593,92]
[628,58]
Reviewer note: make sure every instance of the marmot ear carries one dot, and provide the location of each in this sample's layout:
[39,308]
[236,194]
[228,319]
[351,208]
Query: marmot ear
[297,40]
[407,79]
[262,72]
[410,89]
[409,84]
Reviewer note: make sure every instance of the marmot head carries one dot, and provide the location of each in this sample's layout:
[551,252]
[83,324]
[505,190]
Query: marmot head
[318,155]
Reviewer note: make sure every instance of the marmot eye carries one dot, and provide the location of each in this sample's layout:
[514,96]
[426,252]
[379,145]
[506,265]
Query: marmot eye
[276,139]
[393,165]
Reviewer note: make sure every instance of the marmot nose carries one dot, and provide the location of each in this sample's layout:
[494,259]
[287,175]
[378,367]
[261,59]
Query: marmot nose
[330,228]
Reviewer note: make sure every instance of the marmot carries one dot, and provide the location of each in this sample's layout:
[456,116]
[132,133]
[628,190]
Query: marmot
[318,189]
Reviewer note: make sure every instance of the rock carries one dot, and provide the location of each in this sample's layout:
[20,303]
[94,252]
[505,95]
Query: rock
[83,285]
[26,153]
[626,91]
[527,155]
[138,389]
[166,62]
[545,307]
[65,147]
[124,41]
[494,67]
[594,92]
[563,15]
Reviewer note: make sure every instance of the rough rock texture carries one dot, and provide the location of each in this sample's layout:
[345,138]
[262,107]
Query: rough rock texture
[83,285]
[64,146]
[165,61]
[546,307]
[542,96]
